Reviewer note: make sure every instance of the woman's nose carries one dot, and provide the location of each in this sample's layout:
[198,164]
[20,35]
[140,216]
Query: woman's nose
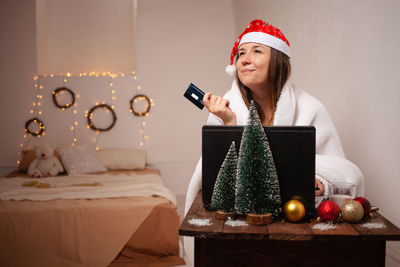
[246,59]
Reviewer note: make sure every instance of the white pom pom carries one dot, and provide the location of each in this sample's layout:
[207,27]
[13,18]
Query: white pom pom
[230,69]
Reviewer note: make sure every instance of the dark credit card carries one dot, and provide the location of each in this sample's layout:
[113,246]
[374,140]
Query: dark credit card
[195,95]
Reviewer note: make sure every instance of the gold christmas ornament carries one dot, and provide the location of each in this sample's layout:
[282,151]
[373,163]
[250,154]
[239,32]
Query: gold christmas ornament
[294,210]
[352,211]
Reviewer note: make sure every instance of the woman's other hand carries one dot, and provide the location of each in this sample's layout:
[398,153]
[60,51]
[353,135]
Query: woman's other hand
[219,107]
[319,188]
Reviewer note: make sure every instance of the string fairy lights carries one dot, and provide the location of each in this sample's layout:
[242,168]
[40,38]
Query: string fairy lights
[35,127]
[142,113]
[61,91]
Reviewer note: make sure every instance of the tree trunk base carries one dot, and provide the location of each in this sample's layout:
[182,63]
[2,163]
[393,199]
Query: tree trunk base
[259,219]
[222,215]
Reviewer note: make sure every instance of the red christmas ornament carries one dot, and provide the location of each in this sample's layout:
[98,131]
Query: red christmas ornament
[328,210]
[365,204]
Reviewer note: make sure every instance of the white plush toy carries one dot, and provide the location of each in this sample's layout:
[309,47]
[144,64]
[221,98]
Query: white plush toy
[45,164]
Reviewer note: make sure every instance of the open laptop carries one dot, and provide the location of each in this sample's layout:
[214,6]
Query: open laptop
[293,150]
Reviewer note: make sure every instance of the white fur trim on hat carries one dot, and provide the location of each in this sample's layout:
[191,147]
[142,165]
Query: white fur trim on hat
[230,69]
[266,39]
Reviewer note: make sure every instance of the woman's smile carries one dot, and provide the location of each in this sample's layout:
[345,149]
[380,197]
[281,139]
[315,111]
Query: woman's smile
[247,70]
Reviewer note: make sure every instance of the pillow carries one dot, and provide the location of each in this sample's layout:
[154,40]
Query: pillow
[122,158]
[28,156]
[80,159]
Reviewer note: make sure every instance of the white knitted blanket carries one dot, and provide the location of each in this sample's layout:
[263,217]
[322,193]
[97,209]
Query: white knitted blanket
[84,186]
[296,107]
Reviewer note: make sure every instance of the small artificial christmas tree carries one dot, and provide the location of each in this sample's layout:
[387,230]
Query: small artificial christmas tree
[223,197]
[257,187]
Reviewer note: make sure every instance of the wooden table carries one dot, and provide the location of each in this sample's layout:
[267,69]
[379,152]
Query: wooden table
[286,244]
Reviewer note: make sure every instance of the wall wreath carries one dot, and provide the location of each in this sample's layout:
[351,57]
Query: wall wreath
[147,106]
[62,90]
[90,115]
[32,132]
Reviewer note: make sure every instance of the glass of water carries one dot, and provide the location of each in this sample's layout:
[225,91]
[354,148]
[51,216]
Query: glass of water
[341,192]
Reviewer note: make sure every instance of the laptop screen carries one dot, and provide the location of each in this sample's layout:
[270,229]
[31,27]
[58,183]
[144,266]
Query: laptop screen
[293,150]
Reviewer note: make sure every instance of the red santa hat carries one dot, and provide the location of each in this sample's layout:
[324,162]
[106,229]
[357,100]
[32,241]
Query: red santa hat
[260,32]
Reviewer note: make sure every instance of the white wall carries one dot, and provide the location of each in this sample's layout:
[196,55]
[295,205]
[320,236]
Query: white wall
[85,35]
[346,53]
[17,66]
[180,42]
[81,37]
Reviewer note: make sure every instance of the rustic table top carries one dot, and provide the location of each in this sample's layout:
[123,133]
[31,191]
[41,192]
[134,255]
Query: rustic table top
[279,230]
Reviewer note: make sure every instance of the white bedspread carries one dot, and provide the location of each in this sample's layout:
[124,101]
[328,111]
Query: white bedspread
[85,186]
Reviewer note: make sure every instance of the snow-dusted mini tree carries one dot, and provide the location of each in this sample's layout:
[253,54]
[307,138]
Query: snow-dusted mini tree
[257,186]
[223,197]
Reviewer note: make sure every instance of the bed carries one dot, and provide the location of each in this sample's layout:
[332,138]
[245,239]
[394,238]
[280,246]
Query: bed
[109,218]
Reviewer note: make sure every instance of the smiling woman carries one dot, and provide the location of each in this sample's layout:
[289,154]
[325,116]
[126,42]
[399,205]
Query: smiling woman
[262,72]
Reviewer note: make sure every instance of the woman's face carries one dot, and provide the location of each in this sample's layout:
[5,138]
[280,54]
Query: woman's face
[252,65]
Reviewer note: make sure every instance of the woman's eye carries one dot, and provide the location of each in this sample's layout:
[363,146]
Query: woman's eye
[241,53]
[258,51]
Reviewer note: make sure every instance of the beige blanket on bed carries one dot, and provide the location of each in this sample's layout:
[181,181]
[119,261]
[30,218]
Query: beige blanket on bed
[74,232]
[84,186]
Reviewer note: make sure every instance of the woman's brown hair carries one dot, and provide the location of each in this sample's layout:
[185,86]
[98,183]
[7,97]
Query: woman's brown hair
[278,73]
